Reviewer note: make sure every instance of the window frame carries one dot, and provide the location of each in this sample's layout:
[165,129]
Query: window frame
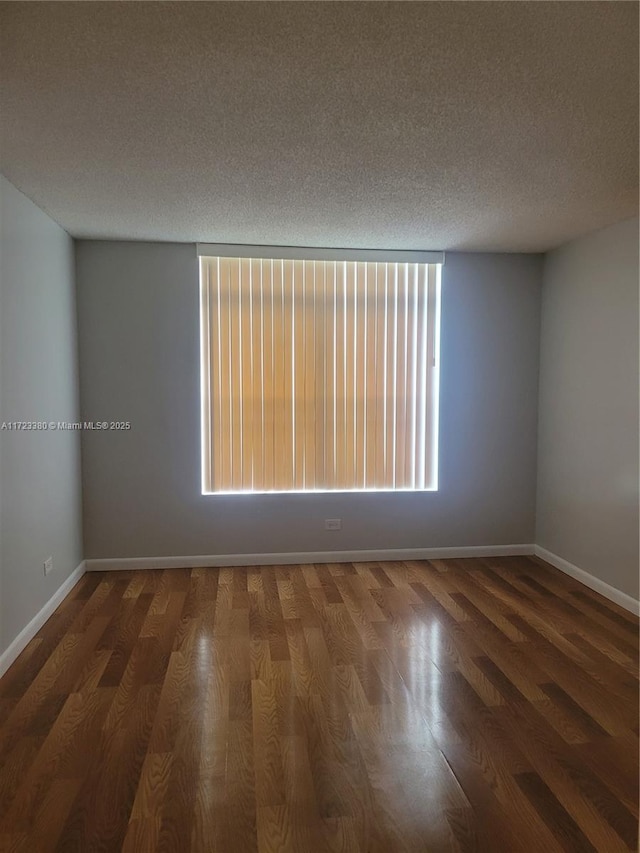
[231,251]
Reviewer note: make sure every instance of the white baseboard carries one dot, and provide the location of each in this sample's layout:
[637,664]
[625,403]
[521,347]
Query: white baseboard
[306,557]
[589,580]
[29,631]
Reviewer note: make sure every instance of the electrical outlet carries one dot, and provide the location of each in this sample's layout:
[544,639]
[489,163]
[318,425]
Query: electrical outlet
[333,524]
[48,566]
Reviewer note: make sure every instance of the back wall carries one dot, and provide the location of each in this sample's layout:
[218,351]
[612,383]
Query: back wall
[138,318]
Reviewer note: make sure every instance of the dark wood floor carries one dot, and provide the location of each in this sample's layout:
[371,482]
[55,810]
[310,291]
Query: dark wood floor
[427,706]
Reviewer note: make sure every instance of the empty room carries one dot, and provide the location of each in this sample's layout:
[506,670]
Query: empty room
[319,427]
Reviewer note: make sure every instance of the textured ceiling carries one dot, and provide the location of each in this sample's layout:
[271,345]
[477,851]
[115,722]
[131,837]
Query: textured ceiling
[488,126]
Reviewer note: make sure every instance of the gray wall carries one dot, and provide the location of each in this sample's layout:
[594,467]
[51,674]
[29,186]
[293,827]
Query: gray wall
[139,343]
[587,510]
[40,506]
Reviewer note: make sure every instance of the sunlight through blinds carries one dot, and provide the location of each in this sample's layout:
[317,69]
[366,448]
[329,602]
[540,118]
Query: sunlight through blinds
[318,375]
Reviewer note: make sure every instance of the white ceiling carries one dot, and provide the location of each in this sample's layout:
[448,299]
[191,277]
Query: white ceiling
[470,126]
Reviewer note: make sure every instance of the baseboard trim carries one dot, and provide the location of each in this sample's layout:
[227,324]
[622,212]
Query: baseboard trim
[589,580]
[29,631]
[305,557]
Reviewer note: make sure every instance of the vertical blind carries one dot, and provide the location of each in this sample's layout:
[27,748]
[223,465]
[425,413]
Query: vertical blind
[318,375]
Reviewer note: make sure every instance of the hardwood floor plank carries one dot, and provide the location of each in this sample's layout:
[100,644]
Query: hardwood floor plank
[55,758]
[266,740]
[554,815]
[49,822]
[24,753]
[615,762]
[545,752]
[275,830]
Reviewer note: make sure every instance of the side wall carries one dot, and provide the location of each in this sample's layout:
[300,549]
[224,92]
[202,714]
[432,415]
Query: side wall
[40,504]
[587,507]
[139,357]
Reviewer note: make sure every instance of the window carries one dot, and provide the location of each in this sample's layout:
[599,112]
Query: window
[318,374]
